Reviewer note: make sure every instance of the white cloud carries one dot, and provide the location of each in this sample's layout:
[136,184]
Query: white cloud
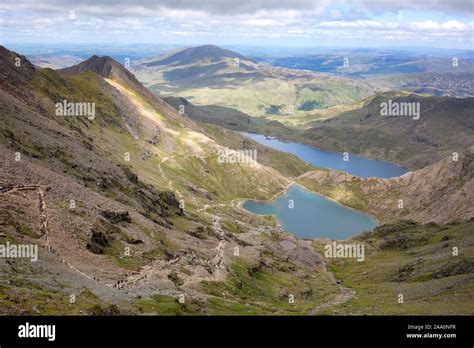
[358,19]
[425,25]
[262,22]
[454,25]
[362,23]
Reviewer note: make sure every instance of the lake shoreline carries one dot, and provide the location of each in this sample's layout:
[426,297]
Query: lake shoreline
[327,152]
[302,142]
[284,191]
[241,202]
[360,166]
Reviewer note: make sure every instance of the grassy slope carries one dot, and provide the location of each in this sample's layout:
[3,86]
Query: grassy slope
[349,194]
[285,163]
[416,261]
[260,289]
[185,168]
[445,125]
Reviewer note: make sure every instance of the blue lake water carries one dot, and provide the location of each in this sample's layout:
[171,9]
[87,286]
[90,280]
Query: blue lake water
[313,215]
[356,165]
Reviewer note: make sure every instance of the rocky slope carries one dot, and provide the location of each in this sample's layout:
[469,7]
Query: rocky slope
[130,208]
[441,192]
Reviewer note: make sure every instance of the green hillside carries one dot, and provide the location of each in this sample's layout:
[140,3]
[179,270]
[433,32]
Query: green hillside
[209,75]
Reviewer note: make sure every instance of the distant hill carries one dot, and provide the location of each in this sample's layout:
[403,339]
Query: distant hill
[55,61]
[386,62]
[209,75]
[193,55]
[199,66]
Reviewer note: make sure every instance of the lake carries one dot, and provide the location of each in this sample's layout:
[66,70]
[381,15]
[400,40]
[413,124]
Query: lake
[313,215]
[356,165]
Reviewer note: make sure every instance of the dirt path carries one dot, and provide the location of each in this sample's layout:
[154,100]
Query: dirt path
[44,223]
[170,182]
[218,260]
[345,293]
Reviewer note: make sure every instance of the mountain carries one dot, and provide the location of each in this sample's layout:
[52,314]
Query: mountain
[200,54]
[16,72]
[104,67]
[209,75]
[198,66]
[133,213]
[129,208]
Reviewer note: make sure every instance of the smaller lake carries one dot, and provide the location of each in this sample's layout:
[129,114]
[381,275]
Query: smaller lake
[313,215]
[356,165]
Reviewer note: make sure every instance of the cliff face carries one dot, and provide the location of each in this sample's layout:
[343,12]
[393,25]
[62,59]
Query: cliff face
[441,192]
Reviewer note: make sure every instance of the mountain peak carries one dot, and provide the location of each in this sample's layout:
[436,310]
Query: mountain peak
[204,53]
[106,67]
[15,69]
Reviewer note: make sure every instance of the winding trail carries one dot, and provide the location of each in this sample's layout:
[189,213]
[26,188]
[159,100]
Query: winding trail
[345,293]
[218,260]
[170,182]
[44,223]
[217,263]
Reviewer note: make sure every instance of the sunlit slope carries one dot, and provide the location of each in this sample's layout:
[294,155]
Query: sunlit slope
[167,143]
[209,75]
[136,177]
[444,125]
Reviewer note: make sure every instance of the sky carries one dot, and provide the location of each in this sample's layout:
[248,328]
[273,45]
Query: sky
[346,23]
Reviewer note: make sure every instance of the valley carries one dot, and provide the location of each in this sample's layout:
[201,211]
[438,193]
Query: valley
[220,168]
[142,218]
[210,75]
